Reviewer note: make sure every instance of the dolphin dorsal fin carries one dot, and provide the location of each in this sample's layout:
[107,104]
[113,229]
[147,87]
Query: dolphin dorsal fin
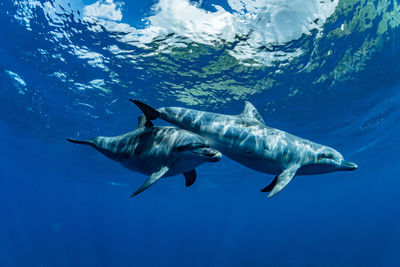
[143,122]
[251,113]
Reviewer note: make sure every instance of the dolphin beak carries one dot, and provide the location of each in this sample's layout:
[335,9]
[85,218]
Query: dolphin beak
[211,154]
[348,165]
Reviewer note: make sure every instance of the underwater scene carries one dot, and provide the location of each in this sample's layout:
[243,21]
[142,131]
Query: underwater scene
[199,133]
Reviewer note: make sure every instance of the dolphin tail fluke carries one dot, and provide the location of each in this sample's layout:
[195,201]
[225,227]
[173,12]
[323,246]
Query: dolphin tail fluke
[149,112]
[81,142]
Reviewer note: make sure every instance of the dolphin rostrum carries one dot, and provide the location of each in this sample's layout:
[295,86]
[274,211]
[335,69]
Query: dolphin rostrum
[156,151]
[246,139]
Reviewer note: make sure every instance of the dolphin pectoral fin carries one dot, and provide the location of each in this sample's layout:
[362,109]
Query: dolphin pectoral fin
[282,180]
[149,112]
[151,180]
[190,177]
[270,186]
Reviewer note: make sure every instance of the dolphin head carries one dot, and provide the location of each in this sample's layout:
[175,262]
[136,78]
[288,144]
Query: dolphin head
[326,160]
[207,153]
[330,158]
[195,147]
[200,151]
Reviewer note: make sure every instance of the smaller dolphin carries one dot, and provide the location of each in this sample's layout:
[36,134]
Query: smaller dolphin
[156,151]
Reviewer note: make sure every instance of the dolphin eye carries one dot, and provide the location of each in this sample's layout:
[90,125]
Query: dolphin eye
[322,155]
[184,147]
[325,156]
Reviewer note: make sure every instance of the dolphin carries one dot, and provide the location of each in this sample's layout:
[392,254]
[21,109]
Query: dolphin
[246,139]
[156,151]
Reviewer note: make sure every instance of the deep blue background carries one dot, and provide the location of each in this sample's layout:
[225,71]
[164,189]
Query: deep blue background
[64,205]
[59,212]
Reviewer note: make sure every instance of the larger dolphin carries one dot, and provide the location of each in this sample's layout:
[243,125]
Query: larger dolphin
[246,139]
[156,151]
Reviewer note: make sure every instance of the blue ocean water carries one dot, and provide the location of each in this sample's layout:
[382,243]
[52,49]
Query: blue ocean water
[327,72]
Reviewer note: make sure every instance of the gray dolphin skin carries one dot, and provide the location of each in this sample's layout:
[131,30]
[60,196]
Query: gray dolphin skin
[246,139]
[156,151]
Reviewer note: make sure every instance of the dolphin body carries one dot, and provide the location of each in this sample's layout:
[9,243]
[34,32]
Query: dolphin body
[246,139]
[156,151]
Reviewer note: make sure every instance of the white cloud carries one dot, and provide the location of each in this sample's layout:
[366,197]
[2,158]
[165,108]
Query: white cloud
[187,20]
[104,9]
[256,25]
[261,22]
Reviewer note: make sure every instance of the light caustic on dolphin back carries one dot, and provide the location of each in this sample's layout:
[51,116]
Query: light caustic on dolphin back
[156,151]
[246,139]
